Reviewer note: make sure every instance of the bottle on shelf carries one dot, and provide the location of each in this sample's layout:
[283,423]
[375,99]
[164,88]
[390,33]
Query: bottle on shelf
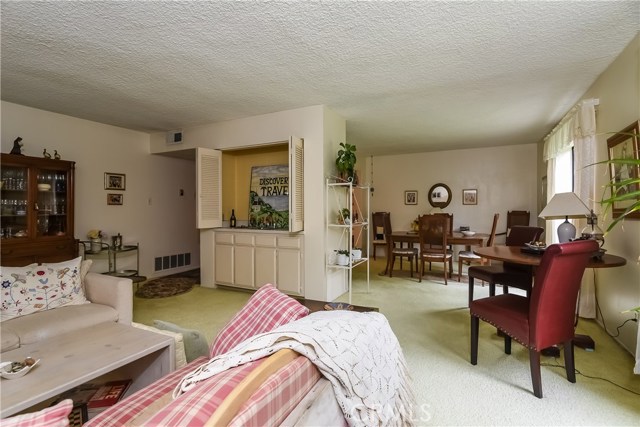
[232,220]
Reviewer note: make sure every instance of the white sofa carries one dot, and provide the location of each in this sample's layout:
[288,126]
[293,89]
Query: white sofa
[111,301]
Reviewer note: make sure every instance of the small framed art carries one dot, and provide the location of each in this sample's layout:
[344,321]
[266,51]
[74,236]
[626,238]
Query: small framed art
[114,199]
[469,197]
[114,181]
[411,197]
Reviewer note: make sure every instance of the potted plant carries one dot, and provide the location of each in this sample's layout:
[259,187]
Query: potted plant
[356,254]
[346,161]
[344,216]
[343,257]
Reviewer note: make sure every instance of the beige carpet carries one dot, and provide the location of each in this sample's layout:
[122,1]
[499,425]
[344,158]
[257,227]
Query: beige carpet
[432,324]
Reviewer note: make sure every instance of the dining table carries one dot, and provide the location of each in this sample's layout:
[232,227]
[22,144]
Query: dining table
[519,255]
[456,238]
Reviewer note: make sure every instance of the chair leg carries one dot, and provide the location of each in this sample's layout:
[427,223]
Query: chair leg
[421,270]
[492,289]
[569,361]
[393,262]
[536,378]
[475,326]
[507,344]
[470,290]
[459,268]
[411,264]
[445,271]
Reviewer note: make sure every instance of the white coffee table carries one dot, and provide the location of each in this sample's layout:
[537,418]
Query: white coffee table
[75,358]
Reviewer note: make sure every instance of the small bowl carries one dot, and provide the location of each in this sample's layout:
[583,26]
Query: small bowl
[468,233]
[44,187]
[5,370]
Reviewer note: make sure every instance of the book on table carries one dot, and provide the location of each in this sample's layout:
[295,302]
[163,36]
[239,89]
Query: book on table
[107,395]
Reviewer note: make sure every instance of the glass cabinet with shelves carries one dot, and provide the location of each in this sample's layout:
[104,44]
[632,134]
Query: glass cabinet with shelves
[36,210]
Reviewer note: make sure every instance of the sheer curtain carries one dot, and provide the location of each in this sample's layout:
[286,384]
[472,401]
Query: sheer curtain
[576,130]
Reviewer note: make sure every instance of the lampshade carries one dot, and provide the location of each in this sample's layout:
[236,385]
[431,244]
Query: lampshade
[565,205]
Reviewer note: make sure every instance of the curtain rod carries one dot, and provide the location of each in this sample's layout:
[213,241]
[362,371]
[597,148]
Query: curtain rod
[571,113]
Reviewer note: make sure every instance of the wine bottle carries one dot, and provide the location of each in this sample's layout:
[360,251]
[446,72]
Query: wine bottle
[232,220]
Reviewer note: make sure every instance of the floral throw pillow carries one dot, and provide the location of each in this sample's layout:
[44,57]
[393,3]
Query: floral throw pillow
[34,288]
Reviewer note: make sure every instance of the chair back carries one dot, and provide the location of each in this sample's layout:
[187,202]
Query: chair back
[377,224]
[517,218]
[555,292]
[433,231]
[450,217]
[520,234]
[492,236]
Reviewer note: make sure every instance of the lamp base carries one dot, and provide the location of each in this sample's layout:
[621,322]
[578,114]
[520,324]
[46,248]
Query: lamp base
[566,231]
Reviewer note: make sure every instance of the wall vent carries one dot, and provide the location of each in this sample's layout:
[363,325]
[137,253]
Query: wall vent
[171,261]
[174,137]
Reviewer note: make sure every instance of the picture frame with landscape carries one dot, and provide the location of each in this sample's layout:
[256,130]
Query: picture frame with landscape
[114,181]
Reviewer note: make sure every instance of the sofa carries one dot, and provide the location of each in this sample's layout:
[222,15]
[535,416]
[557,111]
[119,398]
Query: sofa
[273,364]
[43,301]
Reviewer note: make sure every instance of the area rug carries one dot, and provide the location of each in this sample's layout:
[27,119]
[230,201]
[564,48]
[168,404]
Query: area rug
[166,287]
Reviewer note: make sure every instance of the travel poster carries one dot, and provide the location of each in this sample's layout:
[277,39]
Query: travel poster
[269,197]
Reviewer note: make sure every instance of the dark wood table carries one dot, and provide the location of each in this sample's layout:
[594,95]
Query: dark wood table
[515,255]
[411,237]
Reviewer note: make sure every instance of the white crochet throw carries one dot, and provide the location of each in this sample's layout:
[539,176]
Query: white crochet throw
[357,352]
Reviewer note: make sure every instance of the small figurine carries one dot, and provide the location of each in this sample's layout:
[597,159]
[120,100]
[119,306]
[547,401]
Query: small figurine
[56,155]
[17,147]
[45,154]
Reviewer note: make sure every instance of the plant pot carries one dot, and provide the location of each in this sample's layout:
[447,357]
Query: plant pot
[342,259]
[96,245]
[356,254]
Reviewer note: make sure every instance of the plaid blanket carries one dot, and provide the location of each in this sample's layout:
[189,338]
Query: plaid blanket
[357,352]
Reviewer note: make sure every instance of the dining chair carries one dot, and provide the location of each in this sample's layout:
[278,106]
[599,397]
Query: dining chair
[468,257]
[545,319]
[394,251]
[516,218]
[507,274]
[432,235]
[377,228]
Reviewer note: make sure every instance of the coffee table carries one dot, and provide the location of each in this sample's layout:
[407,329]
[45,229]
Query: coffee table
[74,358]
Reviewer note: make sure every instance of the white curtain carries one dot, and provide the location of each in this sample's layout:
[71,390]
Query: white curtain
[577,129]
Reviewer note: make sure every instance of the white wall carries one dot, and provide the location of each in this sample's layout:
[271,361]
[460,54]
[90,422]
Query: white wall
[165,227]
[618,289]
[321,129]
[505,178]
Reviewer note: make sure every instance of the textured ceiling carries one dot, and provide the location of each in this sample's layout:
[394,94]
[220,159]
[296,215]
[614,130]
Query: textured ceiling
[407,76]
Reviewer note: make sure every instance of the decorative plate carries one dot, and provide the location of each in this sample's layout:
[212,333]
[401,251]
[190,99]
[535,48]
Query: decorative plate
[12,370]
[338,306]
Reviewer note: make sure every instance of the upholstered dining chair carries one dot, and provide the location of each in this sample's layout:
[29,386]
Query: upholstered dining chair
[432,235]
[377,229]
[392,250]
[507,274]
[468,257]
[545,319]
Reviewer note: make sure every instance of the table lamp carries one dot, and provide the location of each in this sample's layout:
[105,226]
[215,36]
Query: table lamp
[565,205]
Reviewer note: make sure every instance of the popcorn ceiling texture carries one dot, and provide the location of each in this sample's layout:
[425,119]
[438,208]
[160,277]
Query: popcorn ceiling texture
[409,76]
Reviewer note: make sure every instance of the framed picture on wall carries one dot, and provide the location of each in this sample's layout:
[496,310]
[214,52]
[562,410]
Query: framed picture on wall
[469,197]
[114,181]
[411,197]
[624,170]
[114,199]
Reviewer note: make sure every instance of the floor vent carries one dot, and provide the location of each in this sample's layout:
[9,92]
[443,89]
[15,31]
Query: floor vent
[172,261]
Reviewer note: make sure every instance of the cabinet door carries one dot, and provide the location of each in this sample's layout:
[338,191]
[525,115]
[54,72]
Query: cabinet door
[224,264]
[289,278]
[243,266]
[265,266]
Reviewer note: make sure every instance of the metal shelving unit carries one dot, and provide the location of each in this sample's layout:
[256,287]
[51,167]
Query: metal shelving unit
[346,231]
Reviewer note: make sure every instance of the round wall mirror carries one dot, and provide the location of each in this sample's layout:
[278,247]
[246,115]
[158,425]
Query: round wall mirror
[439,196]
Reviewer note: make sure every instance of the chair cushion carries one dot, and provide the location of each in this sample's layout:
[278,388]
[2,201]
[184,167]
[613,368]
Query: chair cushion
[405,251]
[55,416]
[267,309]
[509,311]
[468,255]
